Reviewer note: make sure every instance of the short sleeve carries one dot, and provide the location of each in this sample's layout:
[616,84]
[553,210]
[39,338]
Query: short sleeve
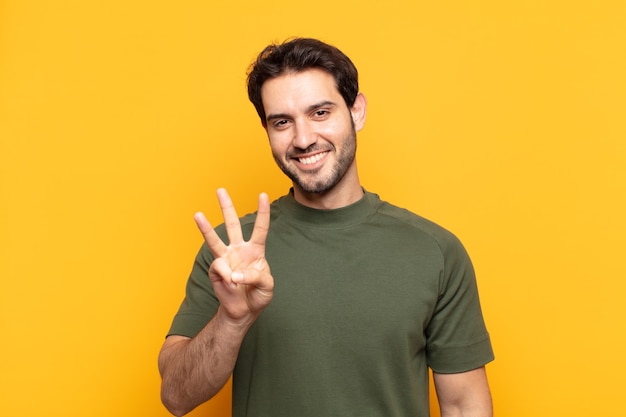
[457,338]
[200,303]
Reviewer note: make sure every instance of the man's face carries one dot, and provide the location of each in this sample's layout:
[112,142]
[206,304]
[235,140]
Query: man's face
[312,132]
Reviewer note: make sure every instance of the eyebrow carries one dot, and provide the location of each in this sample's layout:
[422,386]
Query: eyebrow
[276,116]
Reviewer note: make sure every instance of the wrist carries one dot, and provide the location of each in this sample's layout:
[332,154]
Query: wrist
[234,324]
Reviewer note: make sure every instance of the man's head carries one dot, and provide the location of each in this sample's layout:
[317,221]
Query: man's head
[298,55]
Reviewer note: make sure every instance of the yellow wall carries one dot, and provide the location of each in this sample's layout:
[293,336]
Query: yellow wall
[503,121]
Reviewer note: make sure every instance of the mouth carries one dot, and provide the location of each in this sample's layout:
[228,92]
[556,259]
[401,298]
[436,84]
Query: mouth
[310,160]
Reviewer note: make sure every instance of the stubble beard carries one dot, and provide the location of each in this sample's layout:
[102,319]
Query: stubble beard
[346,156]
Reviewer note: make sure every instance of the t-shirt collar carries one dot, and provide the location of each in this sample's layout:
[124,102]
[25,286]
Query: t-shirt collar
[341,217]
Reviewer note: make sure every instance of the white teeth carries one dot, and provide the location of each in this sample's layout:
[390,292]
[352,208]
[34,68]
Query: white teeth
[312,159]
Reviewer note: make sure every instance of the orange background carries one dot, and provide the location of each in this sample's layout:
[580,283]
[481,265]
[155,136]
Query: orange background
[503,121]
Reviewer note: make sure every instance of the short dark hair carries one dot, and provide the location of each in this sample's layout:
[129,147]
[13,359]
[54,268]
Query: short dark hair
[296,55]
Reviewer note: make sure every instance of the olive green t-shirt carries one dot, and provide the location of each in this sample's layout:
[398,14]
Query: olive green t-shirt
[366,298]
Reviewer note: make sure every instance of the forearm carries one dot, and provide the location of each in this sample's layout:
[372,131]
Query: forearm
[194,370]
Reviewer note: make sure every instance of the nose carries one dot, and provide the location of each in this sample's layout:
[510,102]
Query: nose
[304,135]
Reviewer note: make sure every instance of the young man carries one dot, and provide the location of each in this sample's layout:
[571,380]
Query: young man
[362,296]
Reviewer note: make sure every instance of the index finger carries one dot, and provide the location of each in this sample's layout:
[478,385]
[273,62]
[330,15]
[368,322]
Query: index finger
[262,221]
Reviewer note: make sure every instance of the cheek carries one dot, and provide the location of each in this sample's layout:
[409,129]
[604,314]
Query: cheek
[279,143]
[336,129]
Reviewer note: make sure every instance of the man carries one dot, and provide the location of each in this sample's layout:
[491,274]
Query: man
[362,297]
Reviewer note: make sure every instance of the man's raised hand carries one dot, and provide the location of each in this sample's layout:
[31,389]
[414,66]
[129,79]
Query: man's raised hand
[240,274]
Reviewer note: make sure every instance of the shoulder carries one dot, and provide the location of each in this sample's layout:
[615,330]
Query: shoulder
[417,224]
[423,233]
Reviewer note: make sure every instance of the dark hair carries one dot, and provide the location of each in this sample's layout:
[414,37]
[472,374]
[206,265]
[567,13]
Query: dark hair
[297,55]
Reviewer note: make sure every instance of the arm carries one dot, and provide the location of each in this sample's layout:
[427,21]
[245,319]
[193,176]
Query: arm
[193,370]
[464,394]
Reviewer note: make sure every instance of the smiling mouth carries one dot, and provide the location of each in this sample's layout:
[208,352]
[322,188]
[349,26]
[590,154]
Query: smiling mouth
[309,160]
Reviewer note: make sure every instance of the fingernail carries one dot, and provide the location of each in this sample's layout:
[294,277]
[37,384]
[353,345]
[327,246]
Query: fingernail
[237,276]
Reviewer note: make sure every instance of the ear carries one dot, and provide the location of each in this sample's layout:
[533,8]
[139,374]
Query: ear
[359,111]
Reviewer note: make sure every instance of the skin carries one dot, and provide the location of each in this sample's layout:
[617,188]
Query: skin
[312,135]
[464,394]
[193,370]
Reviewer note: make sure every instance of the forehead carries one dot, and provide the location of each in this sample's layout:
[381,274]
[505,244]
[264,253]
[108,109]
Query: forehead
[297,90]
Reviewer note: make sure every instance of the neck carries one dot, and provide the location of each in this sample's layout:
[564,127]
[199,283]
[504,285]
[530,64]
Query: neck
[347,191]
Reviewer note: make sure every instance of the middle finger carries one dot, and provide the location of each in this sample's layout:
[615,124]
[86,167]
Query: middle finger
[231,220]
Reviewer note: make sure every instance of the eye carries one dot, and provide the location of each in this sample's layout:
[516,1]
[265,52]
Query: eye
[280,123]
[321,113]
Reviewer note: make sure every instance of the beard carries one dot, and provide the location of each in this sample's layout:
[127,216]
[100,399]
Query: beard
[320,185]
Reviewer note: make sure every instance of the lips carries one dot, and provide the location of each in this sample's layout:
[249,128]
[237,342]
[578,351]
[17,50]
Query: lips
[310,160]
